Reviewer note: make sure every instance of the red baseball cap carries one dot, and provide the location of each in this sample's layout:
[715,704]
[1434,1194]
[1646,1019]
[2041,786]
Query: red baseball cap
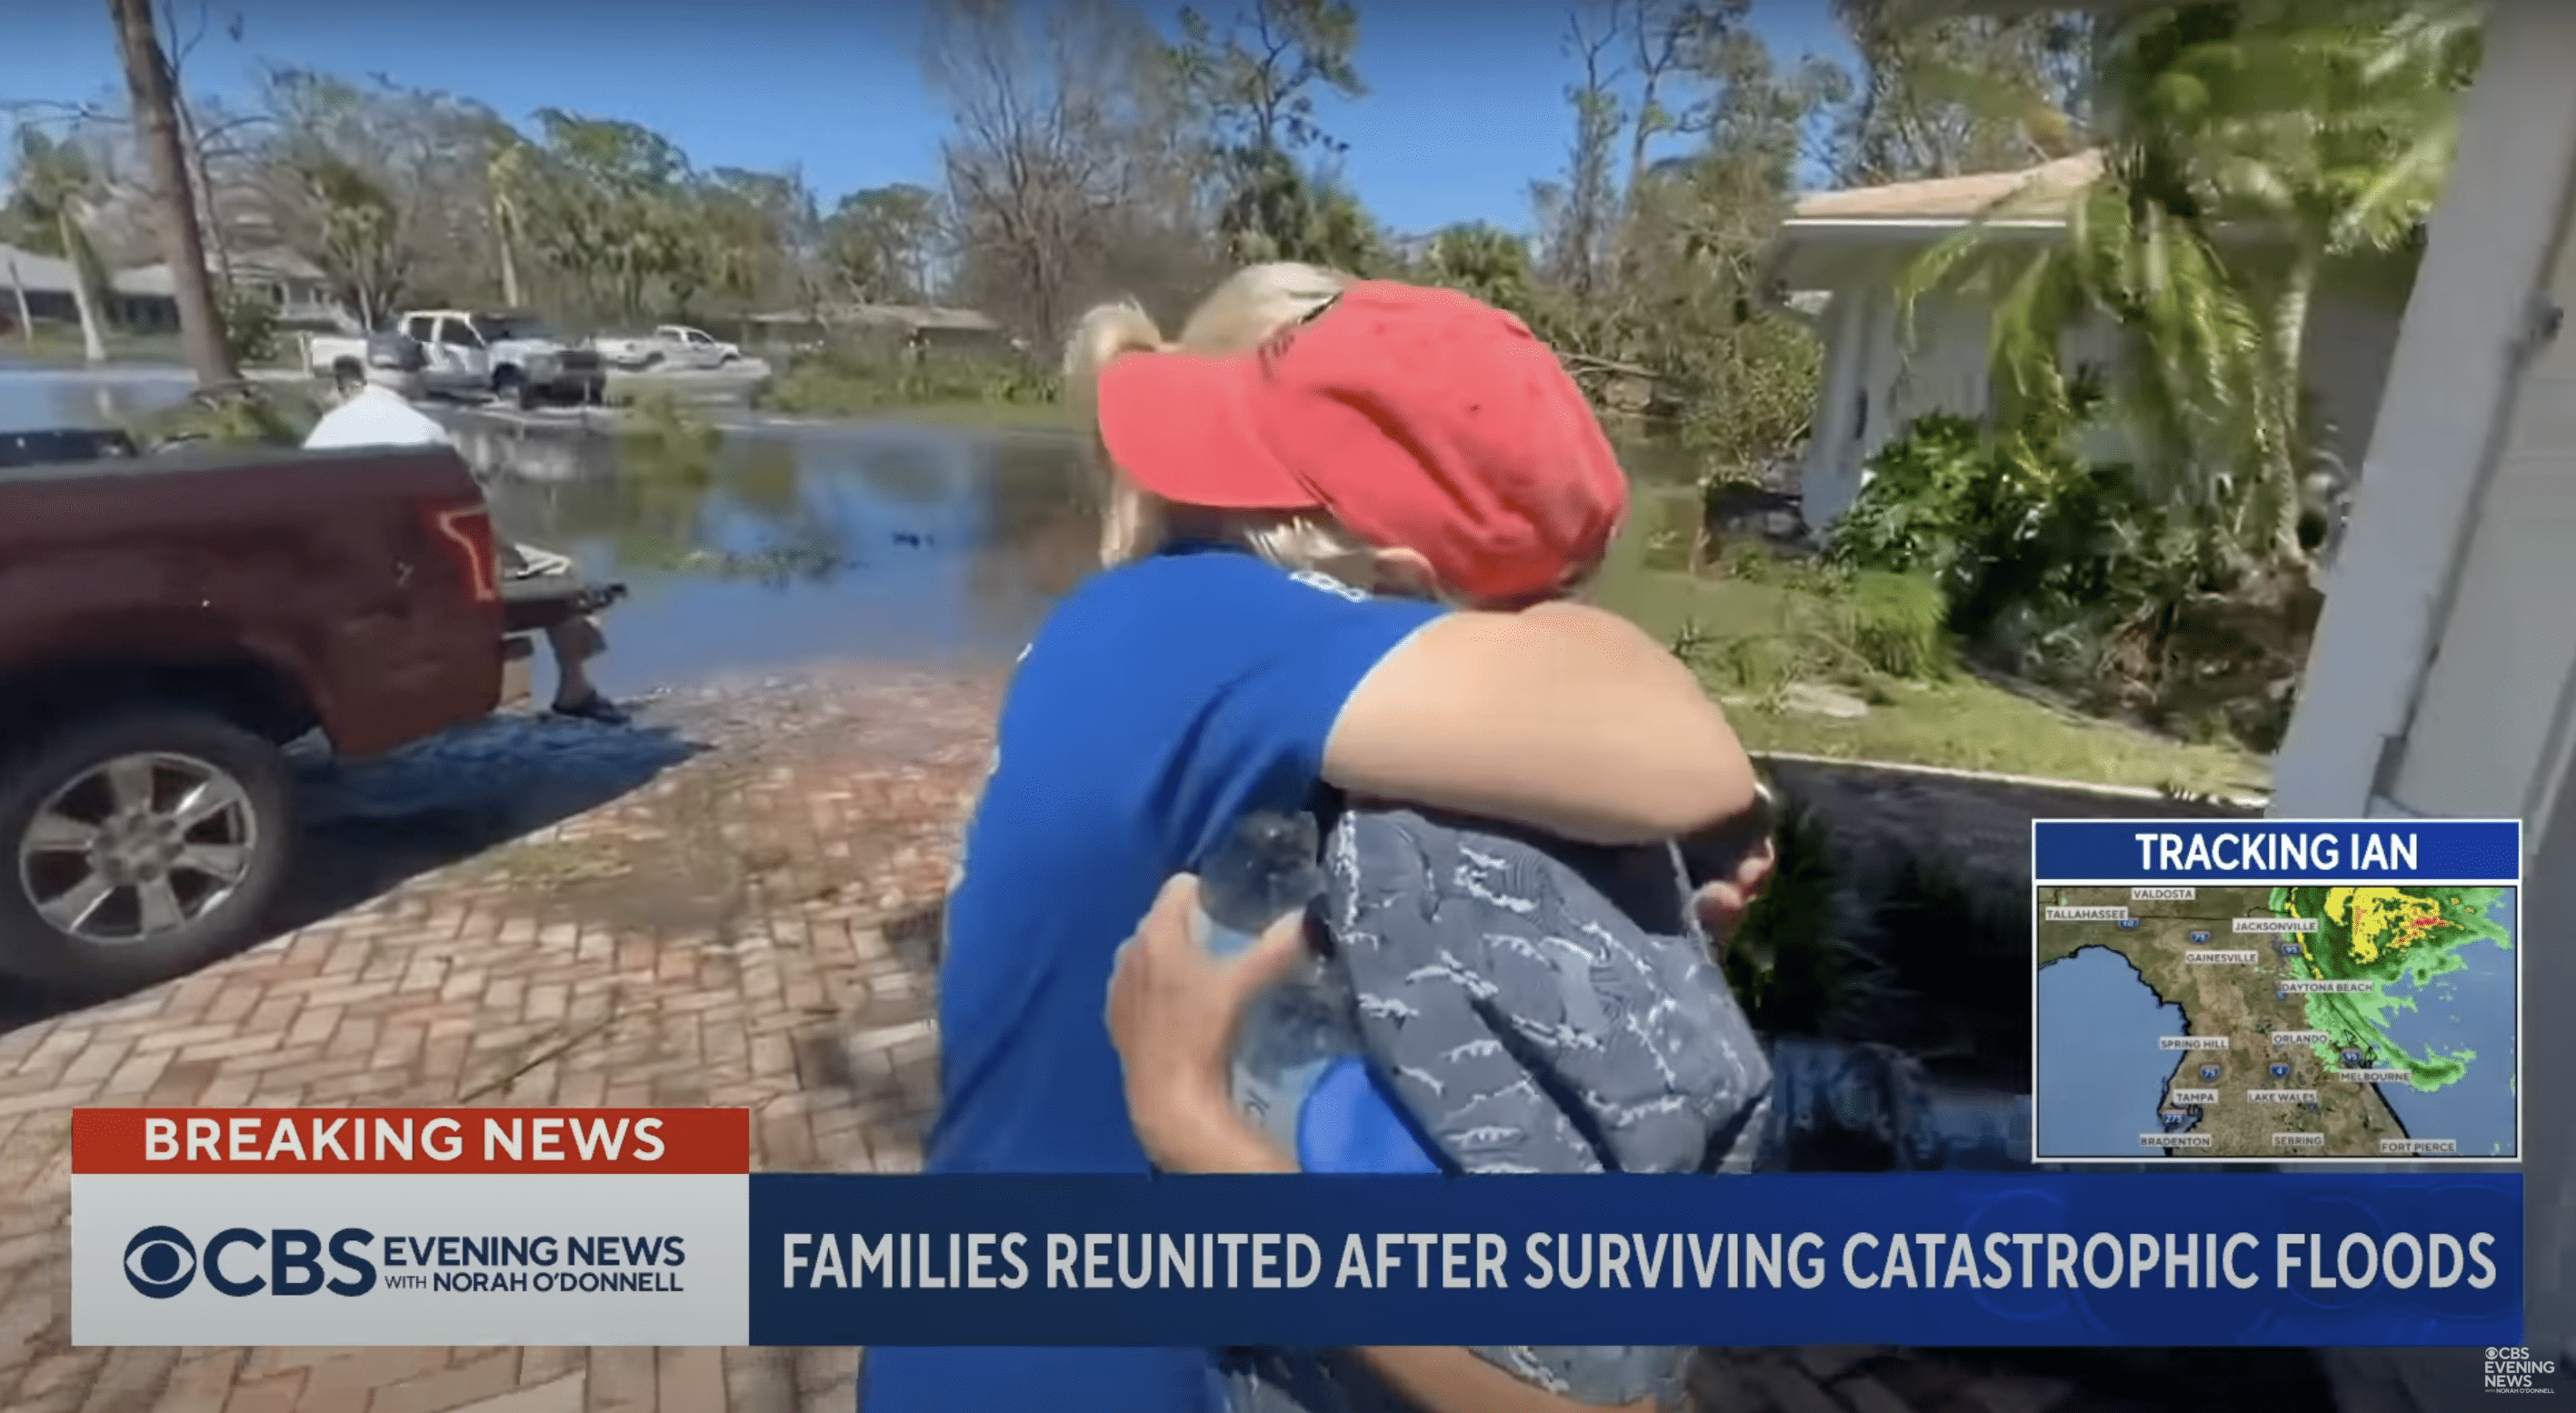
[1418,418]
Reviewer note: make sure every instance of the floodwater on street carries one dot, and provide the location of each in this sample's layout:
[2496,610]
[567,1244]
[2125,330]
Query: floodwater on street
[769,549]
[773,547]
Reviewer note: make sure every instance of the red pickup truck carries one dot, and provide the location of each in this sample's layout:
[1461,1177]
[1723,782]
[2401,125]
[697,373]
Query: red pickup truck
[167,624]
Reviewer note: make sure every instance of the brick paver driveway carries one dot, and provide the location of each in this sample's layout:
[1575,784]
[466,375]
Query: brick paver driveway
[752,926]
[749,928]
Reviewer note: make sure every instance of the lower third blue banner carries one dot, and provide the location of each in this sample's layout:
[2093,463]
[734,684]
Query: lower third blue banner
[1912,1259]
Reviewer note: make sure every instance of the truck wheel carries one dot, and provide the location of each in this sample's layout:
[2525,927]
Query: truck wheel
[347,376]
[140,846]
[511,386]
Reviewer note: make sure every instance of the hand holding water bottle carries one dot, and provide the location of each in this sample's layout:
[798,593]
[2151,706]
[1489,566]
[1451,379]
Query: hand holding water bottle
[1174,1008]
[1730,863]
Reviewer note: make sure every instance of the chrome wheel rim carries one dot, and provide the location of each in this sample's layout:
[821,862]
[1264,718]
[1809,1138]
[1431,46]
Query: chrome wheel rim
[137,847]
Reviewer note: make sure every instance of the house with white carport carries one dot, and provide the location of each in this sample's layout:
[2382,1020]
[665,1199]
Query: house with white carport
[41,289]
[1843,259]
[2442,683]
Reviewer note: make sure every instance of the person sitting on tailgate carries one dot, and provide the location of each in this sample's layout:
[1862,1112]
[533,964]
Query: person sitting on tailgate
[376,413]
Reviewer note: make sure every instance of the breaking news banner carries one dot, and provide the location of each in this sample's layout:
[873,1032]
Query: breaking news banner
[2282,991]
[410,1226]
[640,1227]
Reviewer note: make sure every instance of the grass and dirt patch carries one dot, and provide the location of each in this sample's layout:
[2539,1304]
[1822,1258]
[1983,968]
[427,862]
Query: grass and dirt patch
[1765,631]
[58,346]
[253,416]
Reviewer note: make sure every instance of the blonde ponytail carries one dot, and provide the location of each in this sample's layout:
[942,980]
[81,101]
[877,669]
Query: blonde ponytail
[1100,337]
[1236,317]
[1256,302]
[1131,522]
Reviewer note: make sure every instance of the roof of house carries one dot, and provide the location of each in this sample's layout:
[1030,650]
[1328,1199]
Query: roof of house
[275,264]
[908,316]
[145,280]
[2040,194]
[36,274]
[921,316]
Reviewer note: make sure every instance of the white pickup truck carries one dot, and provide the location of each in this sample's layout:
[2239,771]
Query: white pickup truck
[670,346]
[508,356]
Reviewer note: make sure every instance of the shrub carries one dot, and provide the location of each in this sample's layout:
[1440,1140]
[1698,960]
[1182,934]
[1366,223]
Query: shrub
[1857,628]
[2071,572]
[659,416]
[1789,961]
[1943,942]
[858,378]
[250,326]
[1915,513]
[2037,556]
[1895,622]
[250,417]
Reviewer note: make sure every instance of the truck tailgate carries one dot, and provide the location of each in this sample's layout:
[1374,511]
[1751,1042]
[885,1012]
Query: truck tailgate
[365,577]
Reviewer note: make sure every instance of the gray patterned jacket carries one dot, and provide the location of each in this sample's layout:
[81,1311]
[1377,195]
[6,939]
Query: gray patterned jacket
[1539,1007]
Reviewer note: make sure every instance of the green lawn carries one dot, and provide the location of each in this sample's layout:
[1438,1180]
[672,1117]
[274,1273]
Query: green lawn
[57,347]
[999,416]
[1768,630]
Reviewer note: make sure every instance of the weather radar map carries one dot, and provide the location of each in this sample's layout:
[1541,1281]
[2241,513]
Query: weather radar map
[2276,1021]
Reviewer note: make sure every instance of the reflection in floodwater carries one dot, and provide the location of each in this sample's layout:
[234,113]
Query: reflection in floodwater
[759,550]
[754,552]
[36,399]
[767,549]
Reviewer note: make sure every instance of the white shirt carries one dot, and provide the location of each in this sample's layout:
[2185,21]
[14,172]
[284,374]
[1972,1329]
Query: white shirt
[376,416]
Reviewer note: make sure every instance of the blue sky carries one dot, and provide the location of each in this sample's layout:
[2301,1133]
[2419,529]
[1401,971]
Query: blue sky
[1465,107]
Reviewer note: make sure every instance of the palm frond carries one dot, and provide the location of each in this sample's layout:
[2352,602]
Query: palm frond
[2243,145]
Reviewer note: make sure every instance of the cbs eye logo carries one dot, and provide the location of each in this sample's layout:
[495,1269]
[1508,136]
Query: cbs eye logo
[160,1262]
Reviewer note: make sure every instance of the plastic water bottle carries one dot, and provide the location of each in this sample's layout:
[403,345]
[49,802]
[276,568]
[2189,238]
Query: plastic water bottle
[1296,1031]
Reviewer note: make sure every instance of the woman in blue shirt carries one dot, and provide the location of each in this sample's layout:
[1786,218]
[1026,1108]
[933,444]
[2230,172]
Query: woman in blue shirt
[1221,667]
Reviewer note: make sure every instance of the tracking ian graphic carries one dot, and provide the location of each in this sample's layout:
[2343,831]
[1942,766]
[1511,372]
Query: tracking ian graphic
[2306,1016]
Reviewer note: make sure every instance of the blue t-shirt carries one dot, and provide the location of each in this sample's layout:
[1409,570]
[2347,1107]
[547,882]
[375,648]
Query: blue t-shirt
[1162,701]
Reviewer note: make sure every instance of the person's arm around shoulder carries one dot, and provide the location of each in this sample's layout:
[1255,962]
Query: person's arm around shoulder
[1564,716]
[1172,1013]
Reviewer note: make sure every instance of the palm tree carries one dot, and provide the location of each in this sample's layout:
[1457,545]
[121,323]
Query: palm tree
[355,237]
[2244,147]
[53,187]
[506,176]
[150,85]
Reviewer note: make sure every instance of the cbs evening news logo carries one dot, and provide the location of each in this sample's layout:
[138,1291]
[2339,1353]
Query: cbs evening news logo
[162,1262]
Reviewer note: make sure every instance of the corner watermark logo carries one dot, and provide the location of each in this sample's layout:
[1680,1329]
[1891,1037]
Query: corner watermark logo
[2516,1371]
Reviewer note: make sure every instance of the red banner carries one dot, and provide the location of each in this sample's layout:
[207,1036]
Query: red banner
[411,1141]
